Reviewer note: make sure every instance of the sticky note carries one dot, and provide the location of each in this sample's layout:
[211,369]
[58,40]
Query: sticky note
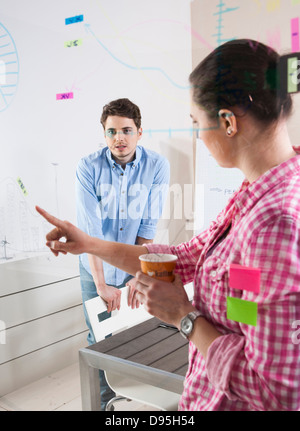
[292,65]
[19,181]
[295,34]
[244,278]
[71,43]
[63,96]
[273,5]
[242,311]
[289,70]
[74,19]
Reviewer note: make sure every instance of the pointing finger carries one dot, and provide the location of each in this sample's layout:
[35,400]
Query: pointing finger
[50,218]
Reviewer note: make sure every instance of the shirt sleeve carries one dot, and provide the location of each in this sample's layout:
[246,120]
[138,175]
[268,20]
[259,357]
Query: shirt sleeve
[87,205]
[262,366]
[188,255]
[156,200]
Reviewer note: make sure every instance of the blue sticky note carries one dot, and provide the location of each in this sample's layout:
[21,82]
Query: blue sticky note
[74,19]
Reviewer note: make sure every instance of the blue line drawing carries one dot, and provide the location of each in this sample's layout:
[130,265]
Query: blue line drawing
[9,68]
[220,26]
[157,69]
[170,131]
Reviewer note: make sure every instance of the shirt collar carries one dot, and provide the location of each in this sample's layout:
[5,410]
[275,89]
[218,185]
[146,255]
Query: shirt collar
[134,162]
[249,194]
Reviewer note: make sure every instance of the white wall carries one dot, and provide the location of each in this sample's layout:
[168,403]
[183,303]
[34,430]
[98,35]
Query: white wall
[135,49]
[214,22]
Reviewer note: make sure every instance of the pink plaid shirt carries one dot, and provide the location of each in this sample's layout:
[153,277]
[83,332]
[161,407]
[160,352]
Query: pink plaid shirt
[248,367]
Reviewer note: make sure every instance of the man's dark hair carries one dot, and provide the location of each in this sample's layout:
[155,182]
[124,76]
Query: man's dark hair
[121,108]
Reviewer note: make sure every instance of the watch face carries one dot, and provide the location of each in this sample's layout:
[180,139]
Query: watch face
[186,325]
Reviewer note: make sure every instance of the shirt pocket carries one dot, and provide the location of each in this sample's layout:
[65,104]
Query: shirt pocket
[217,276]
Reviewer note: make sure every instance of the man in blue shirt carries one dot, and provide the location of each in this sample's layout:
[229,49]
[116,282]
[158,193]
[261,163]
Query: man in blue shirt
[120,194]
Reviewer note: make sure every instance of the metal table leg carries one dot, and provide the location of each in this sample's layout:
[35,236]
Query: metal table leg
[90,386]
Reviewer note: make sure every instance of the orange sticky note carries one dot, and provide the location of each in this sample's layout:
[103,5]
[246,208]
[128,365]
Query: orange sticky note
[244,278]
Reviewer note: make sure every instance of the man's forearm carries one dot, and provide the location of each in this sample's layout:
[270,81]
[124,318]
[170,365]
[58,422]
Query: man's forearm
[141,241]
[108,293]
[96,266]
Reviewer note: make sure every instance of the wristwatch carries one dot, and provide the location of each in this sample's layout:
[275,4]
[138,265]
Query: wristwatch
[187,323]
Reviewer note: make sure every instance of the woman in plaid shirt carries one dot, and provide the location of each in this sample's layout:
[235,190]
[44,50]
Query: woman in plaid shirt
[234,363]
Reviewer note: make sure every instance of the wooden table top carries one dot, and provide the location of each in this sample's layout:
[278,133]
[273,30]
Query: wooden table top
[150,345]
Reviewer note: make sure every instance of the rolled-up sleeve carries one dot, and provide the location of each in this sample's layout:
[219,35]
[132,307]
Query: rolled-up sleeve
[224,350]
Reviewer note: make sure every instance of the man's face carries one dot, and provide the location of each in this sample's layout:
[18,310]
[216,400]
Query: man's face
[122,136]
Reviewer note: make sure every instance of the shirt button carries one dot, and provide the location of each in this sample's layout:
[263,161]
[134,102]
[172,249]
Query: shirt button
[121,174]
[213,273]
[121,228]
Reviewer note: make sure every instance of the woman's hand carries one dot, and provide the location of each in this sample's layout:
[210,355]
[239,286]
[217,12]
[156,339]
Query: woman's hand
[76,241]
[166,301]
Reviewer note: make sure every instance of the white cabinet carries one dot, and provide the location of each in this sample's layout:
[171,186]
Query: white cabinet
[42,320]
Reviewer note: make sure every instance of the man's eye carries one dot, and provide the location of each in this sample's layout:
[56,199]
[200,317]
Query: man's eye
[110,132]
[127,131]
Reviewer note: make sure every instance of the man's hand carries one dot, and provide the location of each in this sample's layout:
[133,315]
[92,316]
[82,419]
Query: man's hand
[132,301]
[111,295]
[76,241]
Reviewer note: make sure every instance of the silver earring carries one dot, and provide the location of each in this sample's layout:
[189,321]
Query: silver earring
[229,131]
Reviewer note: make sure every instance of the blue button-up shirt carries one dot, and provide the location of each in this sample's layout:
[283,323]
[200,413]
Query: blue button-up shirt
[119,204]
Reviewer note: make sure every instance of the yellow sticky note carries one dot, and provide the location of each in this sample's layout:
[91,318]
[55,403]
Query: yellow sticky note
[19,181]
[273,5]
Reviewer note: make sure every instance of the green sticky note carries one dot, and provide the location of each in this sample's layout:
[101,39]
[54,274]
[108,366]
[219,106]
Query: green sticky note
[71,43]
[242,311]
[292,75]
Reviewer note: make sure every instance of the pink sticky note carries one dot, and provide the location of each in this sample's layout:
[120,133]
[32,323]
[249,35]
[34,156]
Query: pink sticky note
[295,34]
[63,96]
[244,278]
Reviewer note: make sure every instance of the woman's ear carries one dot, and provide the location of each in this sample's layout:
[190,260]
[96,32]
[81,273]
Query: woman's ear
[228,122]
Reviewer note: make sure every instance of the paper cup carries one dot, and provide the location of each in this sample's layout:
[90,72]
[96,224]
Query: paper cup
[158,265]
